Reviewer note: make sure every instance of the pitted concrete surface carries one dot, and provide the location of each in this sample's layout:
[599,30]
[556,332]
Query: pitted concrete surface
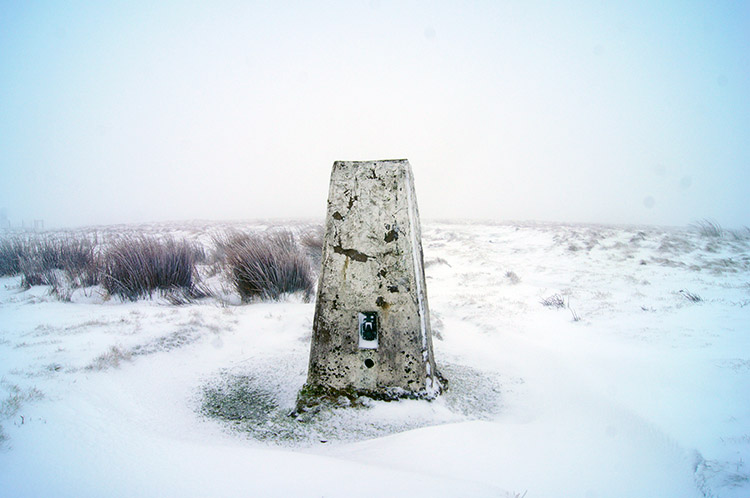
[373,263]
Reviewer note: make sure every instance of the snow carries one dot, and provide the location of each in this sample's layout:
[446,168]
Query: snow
[645,395]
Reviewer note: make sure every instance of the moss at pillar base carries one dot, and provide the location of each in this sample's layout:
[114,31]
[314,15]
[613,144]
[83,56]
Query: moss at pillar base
[312,398]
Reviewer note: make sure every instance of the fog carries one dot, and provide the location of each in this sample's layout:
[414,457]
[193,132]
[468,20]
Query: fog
[620,112]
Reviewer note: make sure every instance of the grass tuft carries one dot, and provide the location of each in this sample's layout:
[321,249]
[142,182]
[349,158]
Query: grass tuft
[553,301]
[708,228]
[75,257]
[111,359]
[312,242]
[693,298]
[36,257]
[12,250]
[138,266]
[740,234]
[266,265]
[512,277]
[12,403]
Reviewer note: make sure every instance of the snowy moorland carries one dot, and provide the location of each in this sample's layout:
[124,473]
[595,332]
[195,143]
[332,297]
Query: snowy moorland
[584,361]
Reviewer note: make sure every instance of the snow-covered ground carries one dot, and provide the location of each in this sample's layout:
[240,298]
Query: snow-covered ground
[630,389]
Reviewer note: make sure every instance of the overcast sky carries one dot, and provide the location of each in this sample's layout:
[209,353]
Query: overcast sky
[613,112]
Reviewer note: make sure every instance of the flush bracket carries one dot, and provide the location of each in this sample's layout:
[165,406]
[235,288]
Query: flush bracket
[368,329]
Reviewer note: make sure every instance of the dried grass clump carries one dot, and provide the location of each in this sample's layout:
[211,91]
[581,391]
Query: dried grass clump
[137,266]
[512,277]
[312,241]
[12,249]
[553,301]
[16,397]
[60,262]
[266,265]
[741,234]
[708,228]
[134,265]
[691,296]
[111,359]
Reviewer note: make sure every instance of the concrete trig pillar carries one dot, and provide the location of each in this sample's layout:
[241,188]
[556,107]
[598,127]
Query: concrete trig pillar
[371,332]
